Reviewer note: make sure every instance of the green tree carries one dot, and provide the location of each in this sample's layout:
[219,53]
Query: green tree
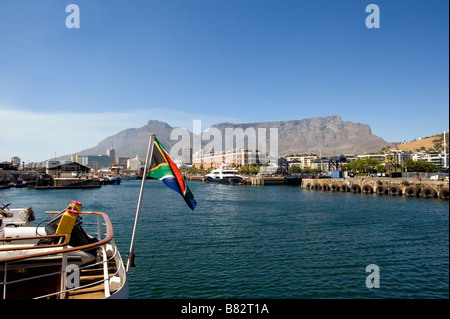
[366,165]
[420,166]
[380,168]
[251,169]
[295,169]
[390,162]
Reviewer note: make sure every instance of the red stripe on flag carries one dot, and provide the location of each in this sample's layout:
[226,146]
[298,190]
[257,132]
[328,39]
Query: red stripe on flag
[177,173]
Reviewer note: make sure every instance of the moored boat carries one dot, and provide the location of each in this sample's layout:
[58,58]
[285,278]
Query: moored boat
[224,175]
[59,261]
[110,180]
[114,180]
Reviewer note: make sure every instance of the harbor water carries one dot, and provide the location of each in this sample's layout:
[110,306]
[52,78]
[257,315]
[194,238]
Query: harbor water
[268,241]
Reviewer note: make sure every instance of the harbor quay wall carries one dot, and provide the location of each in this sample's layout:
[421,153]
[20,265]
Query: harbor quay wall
[367,185]
[381,186]
[265,181]
[198,178]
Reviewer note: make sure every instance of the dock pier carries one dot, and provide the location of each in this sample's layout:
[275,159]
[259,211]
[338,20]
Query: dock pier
[257,180]
[198,178]
[381,186]
[410,187]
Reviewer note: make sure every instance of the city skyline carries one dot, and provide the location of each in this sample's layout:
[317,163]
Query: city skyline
[65,89]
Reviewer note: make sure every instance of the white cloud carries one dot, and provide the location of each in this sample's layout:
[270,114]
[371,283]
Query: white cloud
[36,136]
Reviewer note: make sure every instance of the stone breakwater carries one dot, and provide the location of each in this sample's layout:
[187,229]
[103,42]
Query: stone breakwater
[395,187]
[367,185]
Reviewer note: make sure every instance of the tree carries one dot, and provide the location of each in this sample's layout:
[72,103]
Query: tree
[366,165]
[294,169]
[380,168]
[390,161]
[420,166]
[251,169]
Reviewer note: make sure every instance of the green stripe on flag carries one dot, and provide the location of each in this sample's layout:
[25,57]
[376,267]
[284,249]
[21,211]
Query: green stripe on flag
[161,171]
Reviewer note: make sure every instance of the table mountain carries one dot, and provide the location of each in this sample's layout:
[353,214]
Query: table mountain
[133,141]
[326,135]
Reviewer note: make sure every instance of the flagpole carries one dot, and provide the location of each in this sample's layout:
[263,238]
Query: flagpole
[130,256]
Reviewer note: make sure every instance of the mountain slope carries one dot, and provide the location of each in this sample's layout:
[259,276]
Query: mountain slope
[326,135]
[133,141]
[423,144]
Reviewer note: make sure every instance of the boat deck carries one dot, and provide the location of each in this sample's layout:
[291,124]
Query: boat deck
[93,281]
[93,270]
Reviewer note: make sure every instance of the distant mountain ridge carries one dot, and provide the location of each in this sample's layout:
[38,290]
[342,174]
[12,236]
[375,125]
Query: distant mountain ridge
[326,135]
[133,141]
[423,144]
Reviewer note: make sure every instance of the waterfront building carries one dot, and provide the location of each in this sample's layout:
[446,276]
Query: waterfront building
[100,161]
[436,158]
[294,163]
[379,157]
[134,163]
[270,169]
[350,157]
[15,160]
[50,164]
[121,161]
[74,157]
[69,170]
[400,156]
[235,157]
[94,161]
[112,155]
[303,161]
[320,163]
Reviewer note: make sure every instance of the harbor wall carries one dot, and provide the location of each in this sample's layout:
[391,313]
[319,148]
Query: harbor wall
[198,178]
[378,186]
[265,181]
[391,186]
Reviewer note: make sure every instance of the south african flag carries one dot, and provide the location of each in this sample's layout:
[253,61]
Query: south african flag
[163,168]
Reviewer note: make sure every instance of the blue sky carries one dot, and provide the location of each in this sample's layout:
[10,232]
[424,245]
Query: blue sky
[64,90]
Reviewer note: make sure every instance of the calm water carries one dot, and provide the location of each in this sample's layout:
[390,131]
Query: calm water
[268,241]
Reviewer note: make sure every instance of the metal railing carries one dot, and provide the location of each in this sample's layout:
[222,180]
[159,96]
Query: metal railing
[18,256]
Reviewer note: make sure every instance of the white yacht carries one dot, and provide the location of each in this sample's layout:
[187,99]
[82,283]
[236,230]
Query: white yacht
[224,176]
